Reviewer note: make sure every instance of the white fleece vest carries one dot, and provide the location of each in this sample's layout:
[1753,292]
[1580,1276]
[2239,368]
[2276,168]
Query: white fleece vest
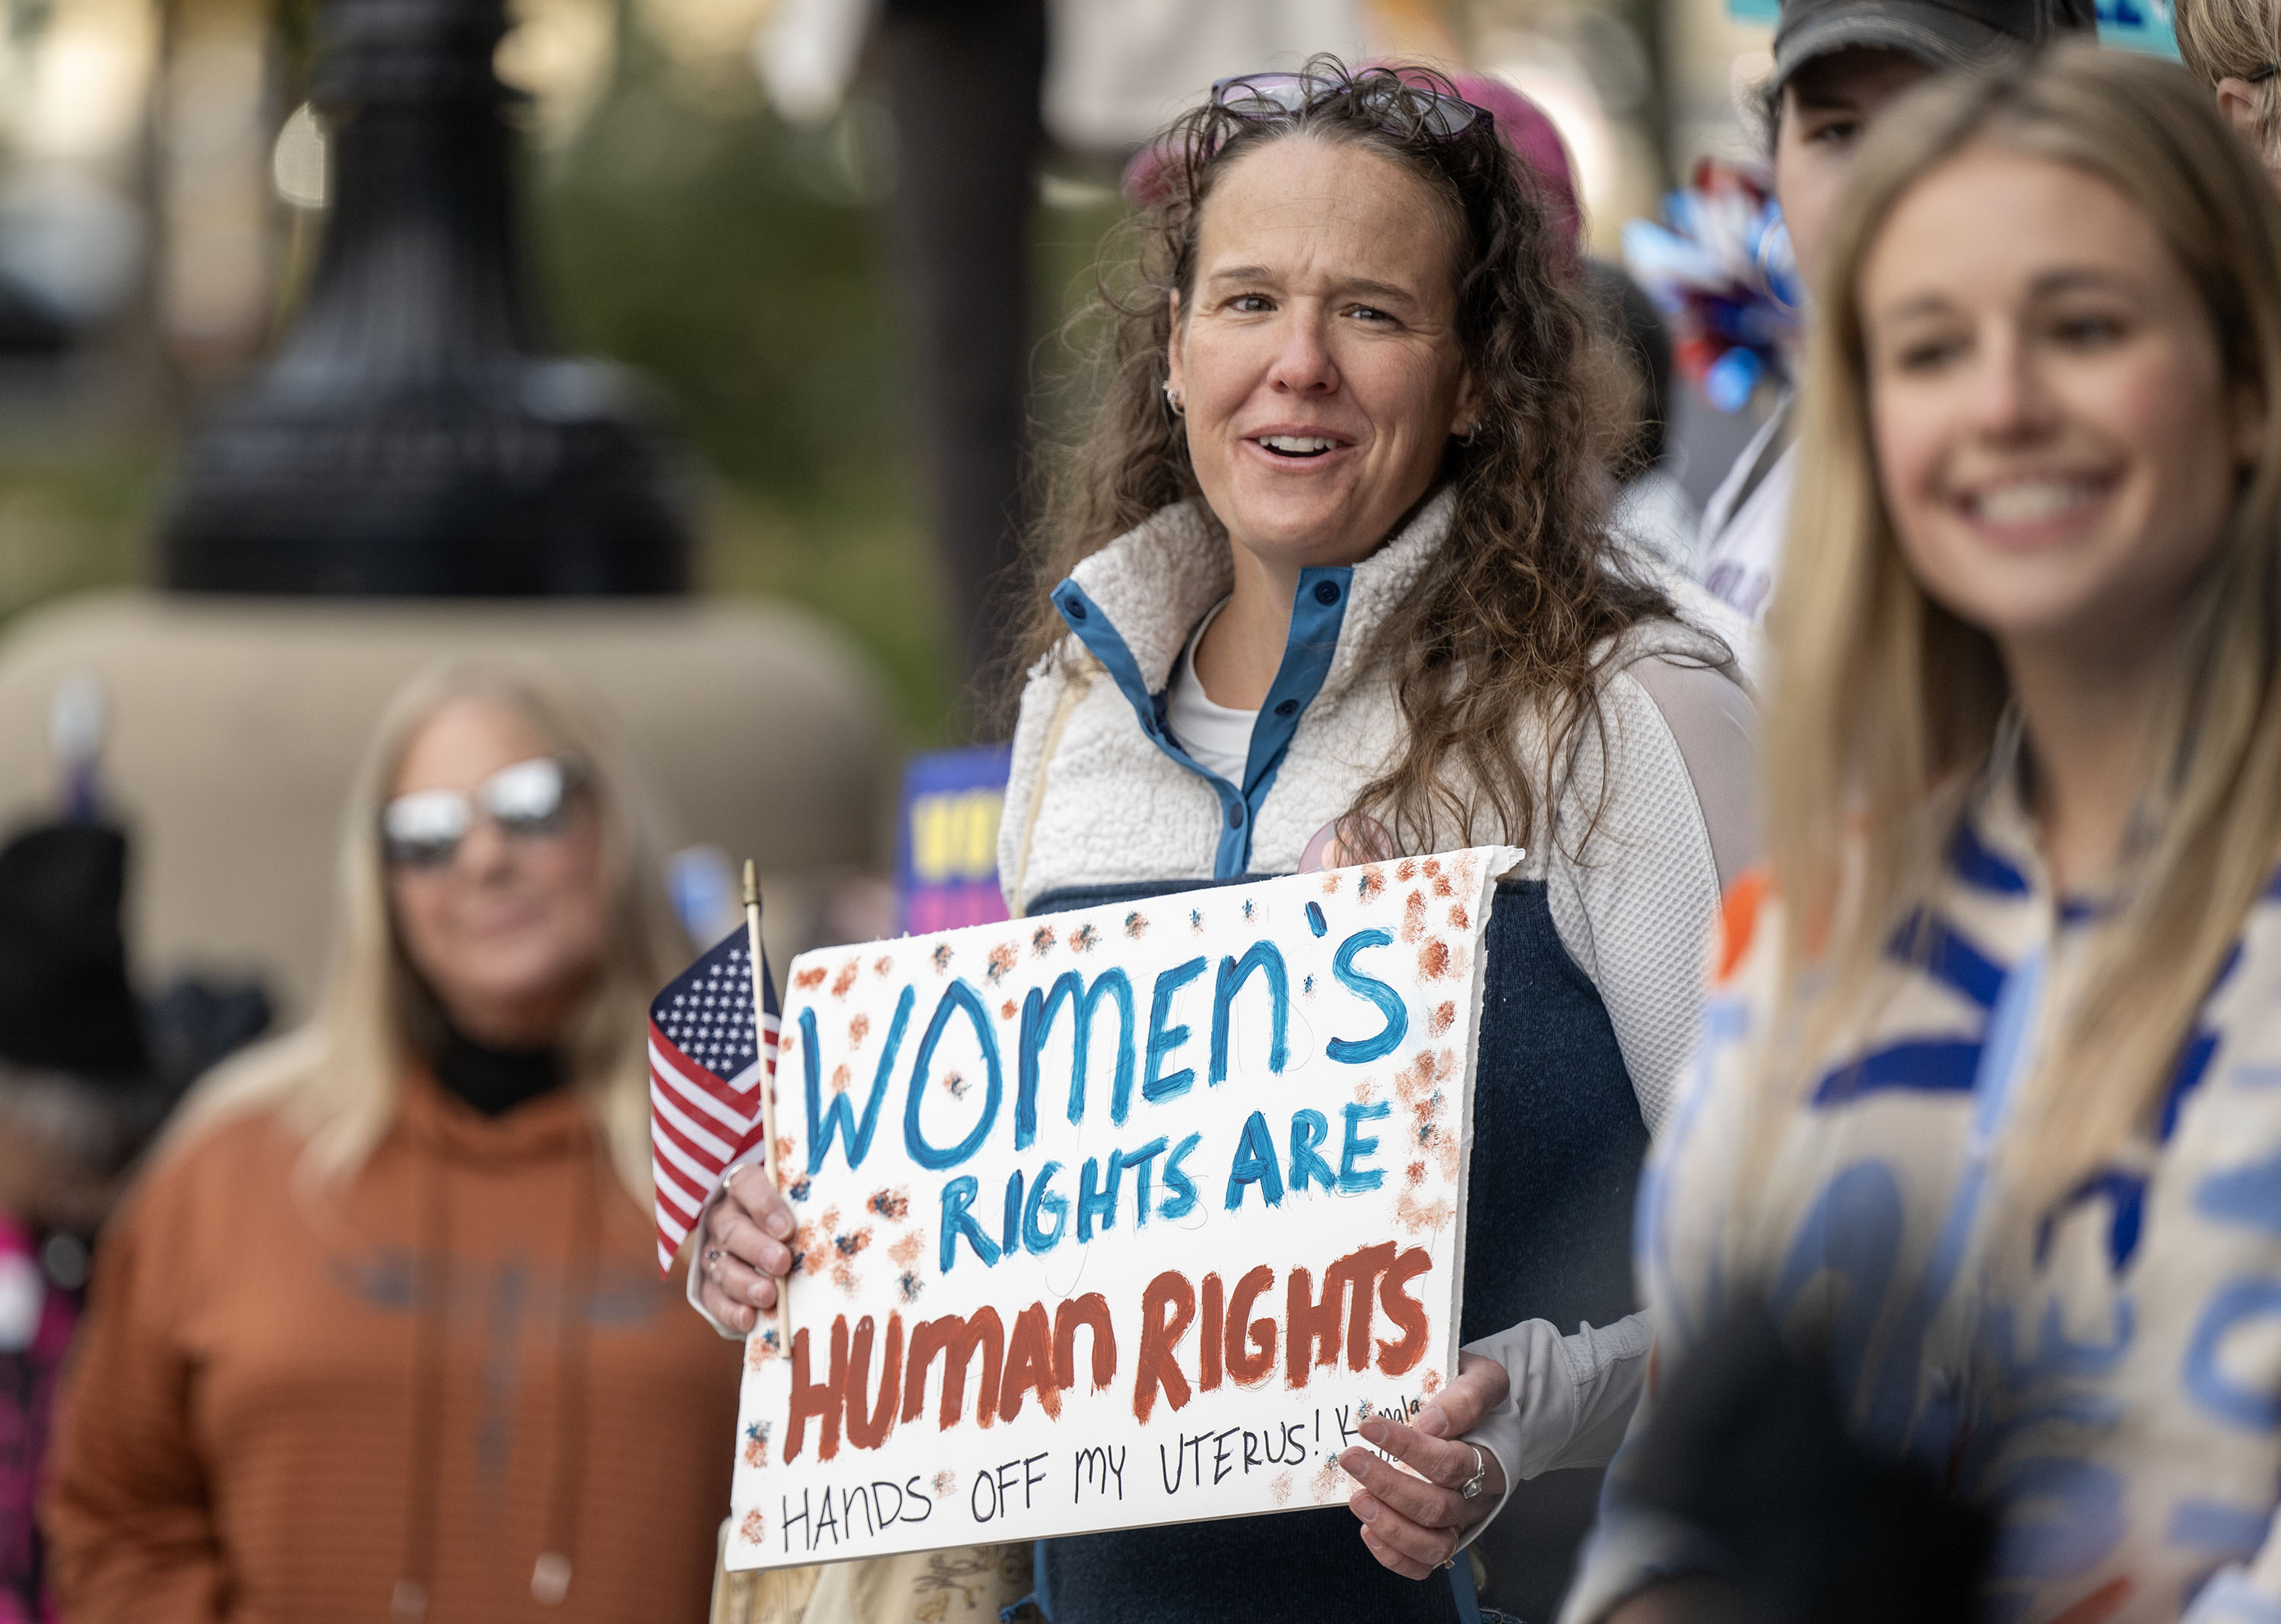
[1095,801]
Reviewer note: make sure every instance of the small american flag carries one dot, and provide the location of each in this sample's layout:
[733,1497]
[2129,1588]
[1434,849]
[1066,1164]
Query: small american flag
[705,1074]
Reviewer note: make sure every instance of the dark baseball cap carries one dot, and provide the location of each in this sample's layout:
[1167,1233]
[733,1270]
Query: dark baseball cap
[1945,34]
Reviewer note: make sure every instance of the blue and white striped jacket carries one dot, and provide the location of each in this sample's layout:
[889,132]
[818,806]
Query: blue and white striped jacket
[2119,1409]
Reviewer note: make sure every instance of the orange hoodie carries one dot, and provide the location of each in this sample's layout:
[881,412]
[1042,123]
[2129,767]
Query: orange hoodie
[293,1407]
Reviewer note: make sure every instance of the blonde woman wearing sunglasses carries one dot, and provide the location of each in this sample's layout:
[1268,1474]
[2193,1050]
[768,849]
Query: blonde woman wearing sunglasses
[381,1332]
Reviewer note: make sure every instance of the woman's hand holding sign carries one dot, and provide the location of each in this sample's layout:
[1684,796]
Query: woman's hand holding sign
[1008,1104]
[741,1256]
[1412,1524]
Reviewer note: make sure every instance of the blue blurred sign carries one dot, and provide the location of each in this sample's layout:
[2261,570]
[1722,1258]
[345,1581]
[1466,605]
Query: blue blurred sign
[2138,25]
[2133,25]
[946,839]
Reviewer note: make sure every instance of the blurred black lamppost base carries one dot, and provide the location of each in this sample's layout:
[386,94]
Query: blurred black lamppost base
[413,436]
[413,477]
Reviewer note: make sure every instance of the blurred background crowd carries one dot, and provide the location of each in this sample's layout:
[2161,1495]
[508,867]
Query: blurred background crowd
[835,254]
[834,249]
[713,196]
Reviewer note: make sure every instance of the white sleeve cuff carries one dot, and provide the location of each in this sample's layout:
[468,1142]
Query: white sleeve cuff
[1568,1398]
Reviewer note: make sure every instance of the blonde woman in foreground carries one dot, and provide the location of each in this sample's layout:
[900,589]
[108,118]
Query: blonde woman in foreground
[1986,1113]
[381,1333]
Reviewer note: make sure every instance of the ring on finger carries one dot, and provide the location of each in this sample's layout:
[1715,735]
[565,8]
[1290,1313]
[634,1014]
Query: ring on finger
[1472,1487]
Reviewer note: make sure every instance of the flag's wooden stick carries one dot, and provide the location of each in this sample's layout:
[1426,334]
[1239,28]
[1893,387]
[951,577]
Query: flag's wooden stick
[767,1083]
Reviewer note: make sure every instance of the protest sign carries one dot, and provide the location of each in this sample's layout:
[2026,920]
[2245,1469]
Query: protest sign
[946,839]
[1118,1217]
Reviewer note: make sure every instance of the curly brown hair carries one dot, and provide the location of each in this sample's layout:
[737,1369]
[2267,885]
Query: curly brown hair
[1515,616]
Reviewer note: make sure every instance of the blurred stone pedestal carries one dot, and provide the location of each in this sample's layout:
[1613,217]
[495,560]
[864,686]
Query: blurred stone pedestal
[236,725]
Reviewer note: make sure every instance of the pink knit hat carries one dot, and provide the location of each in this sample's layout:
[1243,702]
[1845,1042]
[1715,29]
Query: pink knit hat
[1527,132]
[1536,142]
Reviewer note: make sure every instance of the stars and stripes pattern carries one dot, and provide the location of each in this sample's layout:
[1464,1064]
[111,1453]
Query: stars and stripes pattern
[708,1062]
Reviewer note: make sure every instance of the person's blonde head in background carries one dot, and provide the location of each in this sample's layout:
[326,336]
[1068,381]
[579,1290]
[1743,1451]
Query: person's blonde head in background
[339,1079]
[1888,706]
[2234,47]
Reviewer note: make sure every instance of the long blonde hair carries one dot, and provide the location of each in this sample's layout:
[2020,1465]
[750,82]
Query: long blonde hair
[338,1079]
[2237,39]
[1886,707]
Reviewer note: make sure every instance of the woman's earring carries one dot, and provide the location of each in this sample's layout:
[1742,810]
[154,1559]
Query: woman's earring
[1173,401]
[1472,432]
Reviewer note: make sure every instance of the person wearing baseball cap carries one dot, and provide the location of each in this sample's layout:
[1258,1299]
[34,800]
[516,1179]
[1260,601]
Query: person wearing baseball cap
[1839,65]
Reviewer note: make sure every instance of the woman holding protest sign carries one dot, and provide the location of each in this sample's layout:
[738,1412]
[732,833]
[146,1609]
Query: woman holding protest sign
[1984,1121]
[1332,578]
[380,1334]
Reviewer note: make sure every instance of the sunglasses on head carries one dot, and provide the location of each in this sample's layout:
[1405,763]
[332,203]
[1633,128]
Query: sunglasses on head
[1407,108]
[423,830]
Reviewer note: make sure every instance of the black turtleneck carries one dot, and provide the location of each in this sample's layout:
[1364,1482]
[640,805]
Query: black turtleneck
[494,1081]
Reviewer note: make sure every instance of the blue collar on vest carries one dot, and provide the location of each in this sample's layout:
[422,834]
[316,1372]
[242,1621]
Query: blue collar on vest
[1318,611]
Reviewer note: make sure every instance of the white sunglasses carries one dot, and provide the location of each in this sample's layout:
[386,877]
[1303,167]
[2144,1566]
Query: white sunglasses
[423,830]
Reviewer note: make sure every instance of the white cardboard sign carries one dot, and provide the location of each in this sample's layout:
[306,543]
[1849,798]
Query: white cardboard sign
[1114,1217]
